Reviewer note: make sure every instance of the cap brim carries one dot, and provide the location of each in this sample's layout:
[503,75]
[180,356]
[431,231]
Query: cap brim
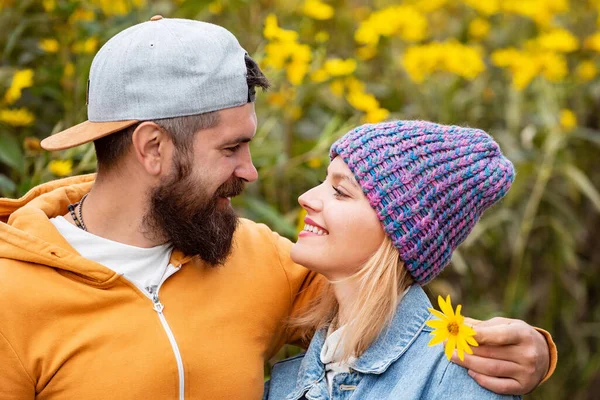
[85,132]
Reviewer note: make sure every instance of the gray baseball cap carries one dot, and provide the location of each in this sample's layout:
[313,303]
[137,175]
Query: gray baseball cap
[162,68]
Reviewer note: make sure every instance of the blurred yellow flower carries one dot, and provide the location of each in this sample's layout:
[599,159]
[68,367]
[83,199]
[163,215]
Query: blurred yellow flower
[586,70]
[49,45]
[17,117]
[406,21]
[559,40]
[69,70]
[317,9]
[319,76]
[375,116]
[21,79]
[32,144]
[215,7]
[337,87]
[49,5]
[540,11]
[321,37]
[366,52]
[362,101]
[593,42]
[283,51]
[61,167]
[87,46]
[81,14]
[479,28]
[421,61]
[294,112]
[339,67]
[568,120]
[315,163]
[282,97]
[272,31]
[428,6]
[526,65]
[485,7]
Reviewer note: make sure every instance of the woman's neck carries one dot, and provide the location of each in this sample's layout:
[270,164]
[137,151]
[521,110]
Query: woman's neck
[346,293]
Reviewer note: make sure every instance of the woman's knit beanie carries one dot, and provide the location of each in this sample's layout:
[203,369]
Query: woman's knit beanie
[428,183]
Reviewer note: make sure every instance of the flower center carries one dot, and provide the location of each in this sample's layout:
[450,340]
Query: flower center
[453,328]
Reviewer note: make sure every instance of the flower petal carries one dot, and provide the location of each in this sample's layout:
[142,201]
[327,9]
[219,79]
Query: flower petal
[438,338]
[458,308]
[462,345]
[467,330]
[437,324]
[439,314]
[450,346]
[471,340]
[446,306]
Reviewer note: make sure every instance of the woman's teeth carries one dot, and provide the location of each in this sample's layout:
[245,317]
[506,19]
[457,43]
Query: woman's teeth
[316,230]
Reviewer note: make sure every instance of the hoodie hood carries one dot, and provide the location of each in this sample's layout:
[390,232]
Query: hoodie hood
[26,233]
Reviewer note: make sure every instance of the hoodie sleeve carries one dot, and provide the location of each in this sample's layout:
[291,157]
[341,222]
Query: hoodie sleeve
[15,382]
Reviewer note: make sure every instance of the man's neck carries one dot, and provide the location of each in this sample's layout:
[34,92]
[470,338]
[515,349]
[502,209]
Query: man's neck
[115,210]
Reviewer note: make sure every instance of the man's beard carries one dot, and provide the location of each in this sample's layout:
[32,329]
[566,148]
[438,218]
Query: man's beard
[191,221]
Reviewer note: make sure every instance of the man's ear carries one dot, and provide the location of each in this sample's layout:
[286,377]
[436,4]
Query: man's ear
[152,147]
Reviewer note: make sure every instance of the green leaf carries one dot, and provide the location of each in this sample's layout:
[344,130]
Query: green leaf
[7,186]
[10,152]
[579,178]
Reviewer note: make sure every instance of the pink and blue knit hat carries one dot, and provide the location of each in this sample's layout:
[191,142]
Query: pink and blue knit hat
[428,183]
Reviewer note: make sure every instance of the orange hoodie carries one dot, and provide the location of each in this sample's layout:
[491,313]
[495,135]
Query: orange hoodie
[73,329]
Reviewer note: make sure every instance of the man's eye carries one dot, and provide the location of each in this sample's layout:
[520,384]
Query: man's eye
[234,148]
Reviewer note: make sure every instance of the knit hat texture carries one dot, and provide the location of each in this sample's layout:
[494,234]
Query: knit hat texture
[428,183]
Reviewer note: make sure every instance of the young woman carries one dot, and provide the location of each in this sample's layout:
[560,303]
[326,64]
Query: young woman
[398,199]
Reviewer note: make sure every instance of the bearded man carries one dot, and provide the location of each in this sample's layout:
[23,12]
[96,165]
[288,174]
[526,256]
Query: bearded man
[140,281]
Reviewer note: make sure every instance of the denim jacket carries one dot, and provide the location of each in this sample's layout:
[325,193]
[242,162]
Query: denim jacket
[398,365]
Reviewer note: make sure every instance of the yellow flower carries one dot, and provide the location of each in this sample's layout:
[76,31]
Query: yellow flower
[366,52]
[485,7]
[559,40]
[69,70]
[568,120]
[21,79]
[321,37]
[88,46]
[479,28]
[17,117]
[586,71]
[375,116]
[315,163]
[451,56]
[32,144]
[339,67]
[49,5]
[61,167]
[362,101]
[49,45]
[406,21]
[317,9]
[593,42]
[216,7]
[337,88]
[81,14]
[319,76]
[451,327]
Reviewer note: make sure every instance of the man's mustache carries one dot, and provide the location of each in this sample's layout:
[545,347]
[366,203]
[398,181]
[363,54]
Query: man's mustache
[231,188]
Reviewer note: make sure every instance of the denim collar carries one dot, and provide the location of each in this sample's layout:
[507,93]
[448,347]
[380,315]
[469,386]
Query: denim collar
[408,321]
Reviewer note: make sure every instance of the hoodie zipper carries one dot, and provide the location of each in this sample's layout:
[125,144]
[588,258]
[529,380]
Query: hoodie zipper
[152,293]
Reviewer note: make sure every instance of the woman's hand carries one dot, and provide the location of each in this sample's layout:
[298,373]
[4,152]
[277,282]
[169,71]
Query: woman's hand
[512,357]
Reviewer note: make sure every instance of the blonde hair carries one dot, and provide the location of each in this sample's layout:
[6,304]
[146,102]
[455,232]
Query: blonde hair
[381,281]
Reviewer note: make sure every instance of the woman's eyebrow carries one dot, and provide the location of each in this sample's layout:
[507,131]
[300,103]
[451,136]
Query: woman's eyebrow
[346,177]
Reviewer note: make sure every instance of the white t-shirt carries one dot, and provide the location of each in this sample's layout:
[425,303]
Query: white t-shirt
[144,267]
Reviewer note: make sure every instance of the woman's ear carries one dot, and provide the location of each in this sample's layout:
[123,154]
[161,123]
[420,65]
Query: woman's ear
[152,147]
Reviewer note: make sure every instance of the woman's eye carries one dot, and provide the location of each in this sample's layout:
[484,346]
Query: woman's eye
[338,193]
